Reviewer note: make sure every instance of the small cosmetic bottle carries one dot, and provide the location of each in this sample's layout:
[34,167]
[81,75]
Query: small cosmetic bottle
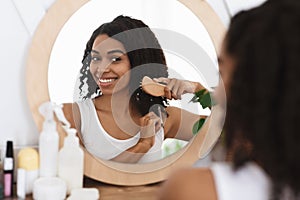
[28,171]
[1,176]
[8,170]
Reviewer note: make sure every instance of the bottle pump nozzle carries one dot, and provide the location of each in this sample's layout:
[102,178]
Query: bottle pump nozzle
[47,109]
[61,117]
[71,139]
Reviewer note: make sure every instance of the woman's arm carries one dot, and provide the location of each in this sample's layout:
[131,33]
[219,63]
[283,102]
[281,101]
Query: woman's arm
[189,184]
[135,153]
[180,123]
[150,125]
[72,114]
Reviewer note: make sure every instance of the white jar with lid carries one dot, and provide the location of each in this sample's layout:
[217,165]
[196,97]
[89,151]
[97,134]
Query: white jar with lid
[49,188]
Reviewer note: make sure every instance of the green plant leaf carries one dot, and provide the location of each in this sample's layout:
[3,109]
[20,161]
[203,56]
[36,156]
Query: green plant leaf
[197,96]
[205,101]
[204,98]
[197,126]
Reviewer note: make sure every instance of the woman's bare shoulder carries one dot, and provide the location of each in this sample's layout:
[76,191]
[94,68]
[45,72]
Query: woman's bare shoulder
[189,184]
[173,109]
[72,114]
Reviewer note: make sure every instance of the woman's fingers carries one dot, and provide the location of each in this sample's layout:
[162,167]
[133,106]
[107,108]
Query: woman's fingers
[168,93]
[171,87]
[163,80]
[181,91]
[150,124]
[175,88]
[158,125]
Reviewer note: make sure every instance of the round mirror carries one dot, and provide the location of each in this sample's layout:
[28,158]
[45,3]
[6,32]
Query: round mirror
[55,59]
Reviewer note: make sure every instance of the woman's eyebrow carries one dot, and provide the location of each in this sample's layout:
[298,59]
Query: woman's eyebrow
[94,51]
[109,52]
[115,51]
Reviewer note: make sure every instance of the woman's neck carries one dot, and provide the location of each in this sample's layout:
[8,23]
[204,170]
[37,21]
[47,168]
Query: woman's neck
[118,106]
[108,103]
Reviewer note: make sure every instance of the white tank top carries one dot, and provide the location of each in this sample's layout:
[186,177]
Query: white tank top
[102,145]
[248,183]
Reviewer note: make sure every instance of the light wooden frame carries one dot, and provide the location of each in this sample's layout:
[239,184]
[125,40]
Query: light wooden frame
[106,171]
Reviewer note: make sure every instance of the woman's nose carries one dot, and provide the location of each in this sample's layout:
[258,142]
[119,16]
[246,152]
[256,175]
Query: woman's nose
[103,67]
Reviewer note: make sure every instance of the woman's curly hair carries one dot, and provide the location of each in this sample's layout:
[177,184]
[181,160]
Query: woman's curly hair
[264,93]
[145,55]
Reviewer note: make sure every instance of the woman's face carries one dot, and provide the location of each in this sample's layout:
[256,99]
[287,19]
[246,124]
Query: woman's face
[226,68]
[109,65]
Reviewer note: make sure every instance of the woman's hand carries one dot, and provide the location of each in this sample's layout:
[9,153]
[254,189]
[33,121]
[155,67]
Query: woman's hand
[150,124]
[175,87]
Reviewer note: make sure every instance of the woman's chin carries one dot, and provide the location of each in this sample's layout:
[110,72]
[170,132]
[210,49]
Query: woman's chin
[106,91]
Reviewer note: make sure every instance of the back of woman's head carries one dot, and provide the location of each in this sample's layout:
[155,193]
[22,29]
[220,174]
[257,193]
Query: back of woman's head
[264,94]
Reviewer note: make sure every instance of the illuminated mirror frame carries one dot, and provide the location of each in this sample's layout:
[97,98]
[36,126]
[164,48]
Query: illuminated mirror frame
[107,171]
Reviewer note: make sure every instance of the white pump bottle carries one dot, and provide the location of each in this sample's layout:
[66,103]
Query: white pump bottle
[71,161]
[48,142]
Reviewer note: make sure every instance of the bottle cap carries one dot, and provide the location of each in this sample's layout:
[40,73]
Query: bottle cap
[9,149]
[49,188]
[28,159]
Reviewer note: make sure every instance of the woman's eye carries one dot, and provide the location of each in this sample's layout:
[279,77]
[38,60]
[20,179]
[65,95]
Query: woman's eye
[96,59]
[115,59]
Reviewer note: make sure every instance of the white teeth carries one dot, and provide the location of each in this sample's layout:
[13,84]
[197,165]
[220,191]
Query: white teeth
[106,80]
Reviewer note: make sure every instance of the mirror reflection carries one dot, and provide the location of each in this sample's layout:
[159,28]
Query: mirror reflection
[115,117]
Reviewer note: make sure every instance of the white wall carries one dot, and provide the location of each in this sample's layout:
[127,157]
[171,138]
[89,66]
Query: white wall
[18,20]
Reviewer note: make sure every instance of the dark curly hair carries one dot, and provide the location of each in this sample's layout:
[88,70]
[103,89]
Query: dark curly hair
[264,94]
[145,55]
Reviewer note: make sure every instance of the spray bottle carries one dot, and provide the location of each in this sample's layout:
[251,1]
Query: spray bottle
[48,142]
[70,165]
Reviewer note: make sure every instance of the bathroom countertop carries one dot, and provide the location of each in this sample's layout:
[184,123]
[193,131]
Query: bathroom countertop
[113,192]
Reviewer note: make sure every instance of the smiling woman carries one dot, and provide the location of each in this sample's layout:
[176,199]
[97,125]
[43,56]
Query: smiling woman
[117,57]
[118,172]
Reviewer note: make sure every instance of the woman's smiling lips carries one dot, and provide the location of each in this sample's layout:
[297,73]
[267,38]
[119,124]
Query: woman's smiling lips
[104,82]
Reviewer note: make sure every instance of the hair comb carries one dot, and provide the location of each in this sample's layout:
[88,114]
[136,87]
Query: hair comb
[153,88]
